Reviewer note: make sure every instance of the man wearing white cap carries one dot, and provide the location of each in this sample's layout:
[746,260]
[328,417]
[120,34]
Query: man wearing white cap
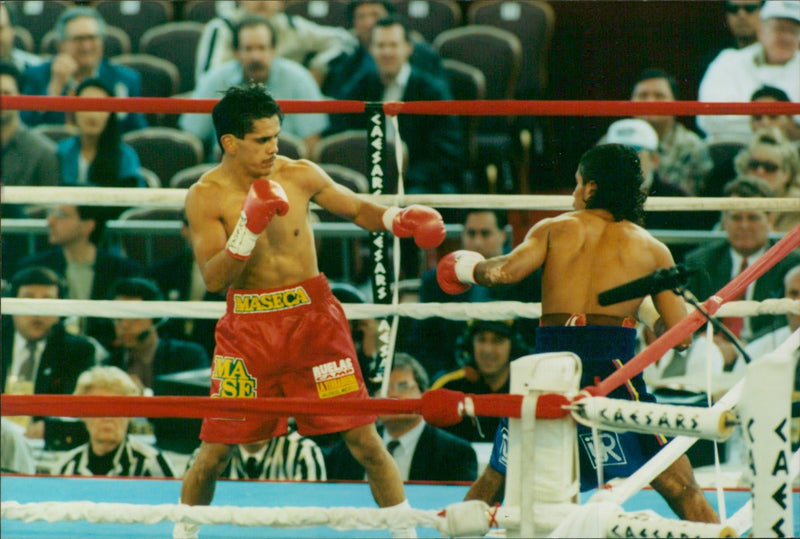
[734,75]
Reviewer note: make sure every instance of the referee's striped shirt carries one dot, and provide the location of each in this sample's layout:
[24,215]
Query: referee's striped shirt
[132,458]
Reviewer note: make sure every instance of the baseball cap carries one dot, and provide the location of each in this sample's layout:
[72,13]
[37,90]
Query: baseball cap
[633,132]
[781,9]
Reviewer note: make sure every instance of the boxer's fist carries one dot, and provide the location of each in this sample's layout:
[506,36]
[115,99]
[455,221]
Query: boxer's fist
[423,223]
[455,272]
[264,200]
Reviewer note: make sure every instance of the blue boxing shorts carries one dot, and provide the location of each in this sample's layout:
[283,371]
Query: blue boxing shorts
[602,350]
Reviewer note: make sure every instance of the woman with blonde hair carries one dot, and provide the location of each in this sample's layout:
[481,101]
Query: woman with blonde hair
[771,157]
[110,450]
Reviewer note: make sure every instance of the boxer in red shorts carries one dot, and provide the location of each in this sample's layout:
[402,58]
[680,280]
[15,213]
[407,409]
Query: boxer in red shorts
[284,334]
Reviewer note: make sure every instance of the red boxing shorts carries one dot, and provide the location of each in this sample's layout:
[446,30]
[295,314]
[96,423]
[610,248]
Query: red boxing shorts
[285,342]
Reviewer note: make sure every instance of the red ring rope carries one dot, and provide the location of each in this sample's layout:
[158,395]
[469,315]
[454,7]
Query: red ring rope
[174,105]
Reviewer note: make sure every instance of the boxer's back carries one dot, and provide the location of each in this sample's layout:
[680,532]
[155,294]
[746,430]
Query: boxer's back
[589,253]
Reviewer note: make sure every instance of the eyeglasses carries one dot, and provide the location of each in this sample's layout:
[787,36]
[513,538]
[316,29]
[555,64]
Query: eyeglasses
[84,37]
[768,166]
[734,8]
[402,387]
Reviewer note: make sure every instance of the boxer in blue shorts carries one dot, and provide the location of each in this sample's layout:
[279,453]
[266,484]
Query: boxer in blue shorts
[597,247]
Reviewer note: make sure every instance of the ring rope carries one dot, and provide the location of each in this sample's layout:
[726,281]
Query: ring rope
[500,107]
[339,518]
[172,198]
[497,310]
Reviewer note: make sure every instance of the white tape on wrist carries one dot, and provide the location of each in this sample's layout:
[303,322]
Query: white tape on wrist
[242,240]
[388,217]
[465,266]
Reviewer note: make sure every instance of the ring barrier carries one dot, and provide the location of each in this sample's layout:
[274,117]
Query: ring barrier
[440,407]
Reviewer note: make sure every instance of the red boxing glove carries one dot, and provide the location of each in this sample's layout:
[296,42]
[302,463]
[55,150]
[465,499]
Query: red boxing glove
[455,272]
[423,223]
[264,200]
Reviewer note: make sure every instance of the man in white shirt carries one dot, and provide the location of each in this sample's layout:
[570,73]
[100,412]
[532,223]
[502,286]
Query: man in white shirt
[735,74]
[255,42]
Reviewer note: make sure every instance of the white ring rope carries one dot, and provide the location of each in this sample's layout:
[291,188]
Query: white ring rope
[498,310]
[339,518]
[174,198]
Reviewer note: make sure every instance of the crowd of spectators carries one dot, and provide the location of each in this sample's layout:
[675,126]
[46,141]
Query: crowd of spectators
[377,56]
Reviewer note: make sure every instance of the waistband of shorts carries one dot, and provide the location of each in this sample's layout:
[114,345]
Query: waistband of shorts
[269,300]
[586,319]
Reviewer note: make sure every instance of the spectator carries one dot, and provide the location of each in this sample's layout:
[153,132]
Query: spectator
[179,279]
[110,451]
[80,33]
[683,157]
[255,42]
[15,454]
[298,39]
[433,340]
[485,352]
[639,135]
[779,331]
[21,59]
[435,152]
[784,122]
[775,160]
[75,233]
[138,348]
[734,75]
[28,157]
[39,355]
[290,457]
[422,452]
[96,156]
[747,240]
[350,67]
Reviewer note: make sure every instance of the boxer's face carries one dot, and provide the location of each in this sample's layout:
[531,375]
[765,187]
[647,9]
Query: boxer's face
[256,152]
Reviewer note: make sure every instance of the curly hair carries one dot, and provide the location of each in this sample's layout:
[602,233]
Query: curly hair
[616,170]
[240,106]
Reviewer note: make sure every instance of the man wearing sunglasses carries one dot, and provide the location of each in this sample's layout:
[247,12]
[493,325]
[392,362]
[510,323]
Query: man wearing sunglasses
[733,76]
[742,19]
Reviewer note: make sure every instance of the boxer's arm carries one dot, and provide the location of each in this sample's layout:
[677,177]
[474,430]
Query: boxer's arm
[208,238]
[526,258]
[341,201]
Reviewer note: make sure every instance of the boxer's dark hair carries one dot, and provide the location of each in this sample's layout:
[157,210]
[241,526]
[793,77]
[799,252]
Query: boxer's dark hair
[235,113]
[617,171]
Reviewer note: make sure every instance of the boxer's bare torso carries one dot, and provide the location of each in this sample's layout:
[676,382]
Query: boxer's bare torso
[284,253]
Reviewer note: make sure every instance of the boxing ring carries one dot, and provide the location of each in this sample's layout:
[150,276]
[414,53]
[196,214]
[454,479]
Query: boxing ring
[108,507]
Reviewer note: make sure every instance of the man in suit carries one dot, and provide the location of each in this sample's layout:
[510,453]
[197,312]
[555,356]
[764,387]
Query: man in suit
[144,355]
[435,149]
[433,340]
[422,452]
[39,356]
[349,67]
[75,232]
[80,55]
[719,262]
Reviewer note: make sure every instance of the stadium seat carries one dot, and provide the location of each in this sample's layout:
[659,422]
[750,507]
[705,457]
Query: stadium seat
[430,17]
[38,18]
[467,83]
[292,146]
[151,179]
[183,179]
[165,150]
[160,78]
[324,12]
[203,10]
[532,21]
[135,17]
[23,39]
[177,43]
[159,242]
[349,148]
